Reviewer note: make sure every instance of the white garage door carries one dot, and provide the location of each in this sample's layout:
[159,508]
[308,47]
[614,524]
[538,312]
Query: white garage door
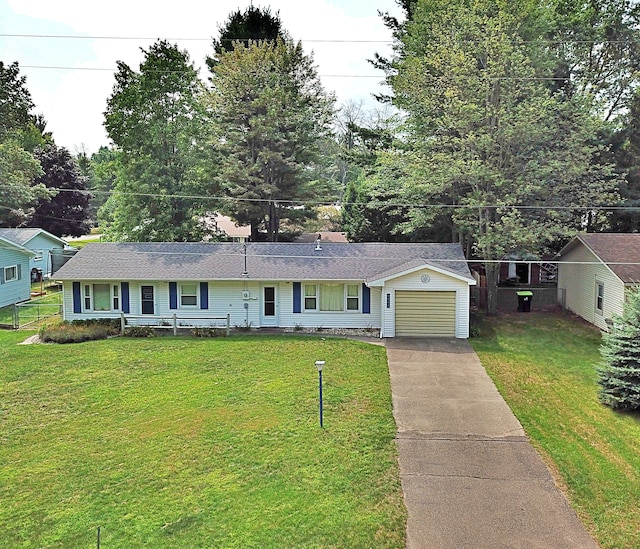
[421,314]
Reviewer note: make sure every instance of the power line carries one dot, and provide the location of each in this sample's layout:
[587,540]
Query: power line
[558,41]
[103,69]
[189,39]
[292,203]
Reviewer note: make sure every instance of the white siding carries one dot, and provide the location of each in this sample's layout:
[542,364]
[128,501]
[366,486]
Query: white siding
[227,298]
[436,282]
[325,319]
[579,283]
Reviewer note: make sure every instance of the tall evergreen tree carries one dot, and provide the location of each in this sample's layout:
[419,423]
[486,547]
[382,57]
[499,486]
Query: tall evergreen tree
[253,24]
[269,116]
[619,371]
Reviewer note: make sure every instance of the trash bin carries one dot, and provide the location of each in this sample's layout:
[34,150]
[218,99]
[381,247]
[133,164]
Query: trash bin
[524,301]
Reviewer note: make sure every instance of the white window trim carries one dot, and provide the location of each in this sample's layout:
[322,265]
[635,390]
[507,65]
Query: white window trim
[112,296]
[305,297]
[15,270]
[599,297]
[345,298]
[196,305]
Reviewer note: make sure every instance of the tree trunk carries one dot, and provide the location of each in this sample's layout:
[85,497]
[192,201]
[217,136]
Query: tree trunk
[254,231]
[492,270]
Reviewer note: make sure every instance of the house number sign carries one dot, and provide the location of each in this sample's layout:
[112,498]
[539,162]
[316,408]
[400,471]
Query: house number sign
[425,278]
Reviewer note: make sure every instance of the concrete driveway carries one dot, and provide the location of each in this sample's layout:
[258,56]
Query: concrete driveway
[470,477]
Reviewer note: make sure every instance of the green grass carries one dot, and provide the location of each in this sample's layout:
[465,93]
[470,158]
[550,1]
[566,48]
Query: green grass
[543,364]
[82,243]
[36,308]
[183,442]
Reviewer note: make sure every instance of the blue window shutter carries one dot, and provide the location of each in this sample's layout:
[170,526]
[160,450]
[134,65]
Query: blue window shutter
[297,297]
[19,271]
[1,275]
[366,299]
[204,295]
[77,298]
[124,290]
[173,295]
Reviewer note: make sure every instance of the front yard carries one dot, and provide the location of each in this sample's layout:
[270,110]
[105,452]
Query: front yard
[182,442]
[543,365]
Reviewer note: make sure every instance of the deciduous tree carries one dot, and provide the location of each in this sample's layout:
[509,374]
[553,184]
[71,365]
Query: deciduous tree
[67,212]
[513,163]
[155,119]
[18,192]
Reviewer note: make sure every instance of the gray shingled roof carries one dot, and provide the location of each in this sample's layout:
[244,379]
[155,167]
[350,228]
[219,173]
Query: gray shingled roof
[23,235]
[265,261]
[7,243]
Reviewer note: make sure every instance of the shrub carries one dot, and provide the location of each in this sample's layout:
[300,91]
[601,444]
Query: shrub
[140,331]
[80,330]
[209,332]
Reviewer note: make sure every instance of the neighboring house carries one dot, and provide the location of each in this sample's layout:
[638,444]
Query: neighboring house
[227,227]
[15,285]
[594,271]
[401,289]
[39,241]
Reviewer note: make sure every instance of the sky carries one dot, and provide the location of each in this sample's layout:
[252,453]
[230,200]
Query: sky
[68,49]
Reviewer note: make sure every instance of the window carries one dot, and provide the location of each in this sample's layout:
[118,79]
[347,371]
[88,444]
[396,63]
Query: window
[188,295]
[353,297]
[331,297]
[599,297]
[101,297]
[11,273]
[310,297]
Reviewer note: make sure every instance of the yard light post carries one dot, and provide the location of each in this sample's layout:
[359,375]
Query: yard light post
[319,366]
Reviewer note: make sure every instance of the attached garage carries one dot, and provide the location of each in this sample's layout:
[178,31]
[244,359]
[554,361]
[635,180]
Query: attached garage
[425,314]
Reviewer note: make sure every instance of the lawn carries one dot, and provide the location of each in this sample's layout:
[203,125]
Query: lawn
[543,365]
[34,310]
[182,442]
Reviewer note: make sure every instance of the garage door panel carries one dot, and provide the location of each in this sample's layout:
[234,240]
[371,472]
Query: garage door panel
[425,314]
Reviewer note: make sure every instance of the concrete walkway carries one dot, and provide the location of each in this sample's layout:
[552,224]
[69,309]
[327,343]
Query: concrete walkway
[470,477]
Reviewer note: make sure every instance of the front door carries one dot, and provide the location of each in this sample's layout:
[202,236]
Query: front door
[269,306]
[147,300]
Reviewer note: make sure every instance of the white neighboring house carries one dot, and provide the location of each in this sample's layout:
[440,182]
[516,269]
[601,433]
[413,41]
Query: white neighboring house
[41,243]
[401,289]
[594,272]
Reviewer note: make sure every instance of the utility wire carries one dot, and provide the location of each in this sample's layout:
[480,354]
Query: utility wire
[291,203]
[558,41]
